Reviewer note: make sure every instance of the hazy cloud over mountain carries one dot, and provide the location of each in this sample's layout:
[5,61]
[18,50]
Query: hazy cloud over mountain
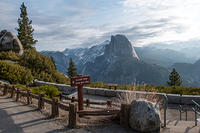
[61,24]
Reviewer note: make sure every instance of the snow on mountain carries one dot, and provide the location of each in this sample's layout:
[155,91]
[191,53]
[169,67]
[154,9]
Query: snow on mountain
[77,51]
[120,64]
[84,55]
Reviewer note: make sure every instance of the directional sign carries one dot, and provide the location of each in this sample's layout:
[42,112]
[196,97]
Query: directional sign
[80,80]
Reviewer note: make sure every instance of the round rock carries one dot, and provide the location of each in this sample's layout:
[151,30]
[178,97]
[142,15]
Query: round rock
[10,42]
[144,116]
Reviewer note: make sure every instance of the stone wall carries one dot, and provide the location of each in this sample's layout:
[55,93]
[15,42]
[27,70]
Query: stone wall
[172,98]
[65,89]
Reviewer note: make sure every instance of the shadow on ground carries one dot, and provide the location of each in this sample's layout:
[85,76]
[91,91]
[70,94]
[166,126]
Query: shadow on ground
[7,124]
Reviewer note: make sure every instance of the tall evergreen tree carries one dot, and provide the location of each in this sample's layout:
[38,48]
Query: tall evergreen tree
[71,71]
[53,62]
[174,79]
[25,29]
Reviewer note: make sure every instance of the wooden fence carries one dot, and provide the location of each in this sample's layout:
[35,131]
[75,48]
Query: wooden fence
[71,107]
[88,102]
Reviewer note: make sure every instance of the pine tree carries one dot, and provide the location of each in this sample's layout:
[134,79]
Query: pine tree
[71,71]
[174,79]
[25,29]
[53,61]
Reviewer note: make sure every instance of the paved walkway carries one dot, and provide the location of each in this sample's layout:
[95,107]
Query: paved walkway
[18,118]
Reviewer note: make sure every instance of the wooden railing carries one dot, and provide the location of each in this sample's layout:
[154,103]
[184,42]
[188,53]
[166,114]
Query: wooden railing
[71,106]
[196,110]
[55,103]
[17,94]
[98,112]
[88,102]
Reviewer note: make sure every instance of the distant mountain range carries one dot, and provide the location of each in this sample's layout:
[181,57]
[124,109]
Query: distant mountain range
[189,72]
[120,64]
[79,55]
[117,61]
[162,57]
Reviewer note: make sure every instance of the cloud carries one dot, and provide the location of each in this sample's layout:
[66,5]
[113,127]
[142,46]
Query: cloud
[64,24]
[183,15]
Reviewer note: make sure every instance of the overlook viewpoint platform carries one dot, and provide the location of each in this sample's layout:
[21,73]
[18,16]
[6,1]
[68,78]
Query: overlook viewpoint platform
[17,117]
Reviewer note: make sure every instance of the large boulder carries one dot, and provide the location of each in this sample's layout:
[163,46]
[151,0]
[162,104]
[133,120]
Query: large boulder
[144,116]
[10,42]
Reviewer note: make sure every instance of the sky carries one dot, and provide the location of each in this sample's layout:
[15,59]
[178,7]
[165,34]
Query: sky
[61,24]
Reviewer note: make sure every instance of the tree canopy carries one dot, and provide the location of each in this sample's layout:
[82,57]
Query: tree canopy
[174,79]
[25,29]
[71,71]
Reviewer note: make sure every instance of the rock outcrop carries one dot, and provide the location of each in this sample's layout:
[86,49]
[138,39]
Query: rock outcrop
[144,116]
[10,42]
[113,61]
[120,46]
[120,64]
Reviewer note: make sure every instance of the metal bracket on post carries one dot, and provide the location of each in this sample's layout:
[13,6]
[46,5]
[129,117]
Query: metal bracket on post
[165,110]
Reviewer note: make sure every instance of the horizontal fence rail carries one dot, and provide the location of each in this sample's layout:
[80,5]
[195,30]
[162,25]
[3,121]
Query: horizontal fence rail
[17,93]
[98,112]
[196,110]
[88,102]
[72,105]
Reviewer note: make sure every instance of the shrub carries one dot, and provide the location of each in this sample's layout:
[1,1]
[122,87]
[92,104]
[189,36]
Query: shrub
[97,85]
[152,88]
[42,67]
[22,87]
[10,55]
[48,90]
[60,78]
[15,73]
[37,62]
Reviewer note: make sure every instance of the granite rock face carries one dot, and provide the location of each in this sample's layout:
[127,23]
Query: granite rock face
[120,46]
[119,64]
[10,42]
[144,116]
[113,61]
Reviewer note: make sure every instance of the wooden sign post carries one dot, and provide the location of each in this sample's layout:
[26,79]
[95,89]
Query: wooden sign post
[79,81]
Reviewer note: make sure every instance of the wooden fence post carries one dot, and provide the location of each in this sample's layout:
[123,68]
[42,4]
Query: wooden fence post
[0,86]
[60,96]
[17,96]
[13,92]
[73,115]
[87,102]
[54,108]
[73,99]
[109,103]
[40,101]
[124,115]
[115,87]
[5,91]
[28,96]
